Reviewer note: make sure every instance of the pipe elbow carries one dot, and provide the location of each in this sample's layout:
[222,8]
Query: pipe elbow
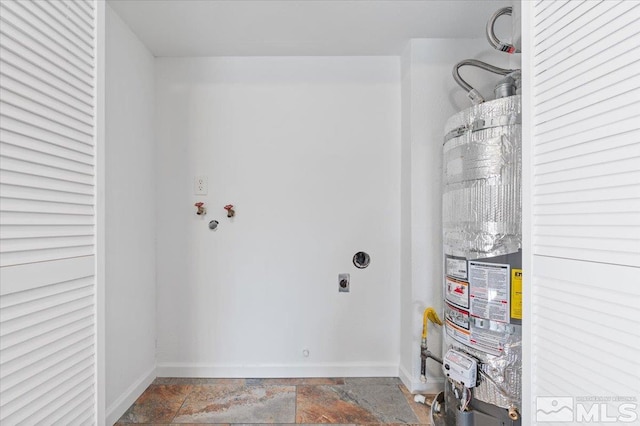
[493,40]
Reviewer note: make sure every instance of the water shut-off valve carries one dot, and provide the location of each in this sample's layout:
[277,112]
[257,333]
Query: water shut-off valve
[202,210]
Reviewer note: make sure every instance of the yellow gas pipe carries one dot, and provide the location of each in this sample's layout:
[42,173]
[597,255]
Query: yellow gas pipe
[428,315]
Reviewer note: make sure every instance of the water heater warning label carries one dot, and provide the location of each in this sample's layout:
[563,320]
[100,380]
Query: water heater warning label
[457,292]
[489,290]
[476,337]
[516,293]
[456,316]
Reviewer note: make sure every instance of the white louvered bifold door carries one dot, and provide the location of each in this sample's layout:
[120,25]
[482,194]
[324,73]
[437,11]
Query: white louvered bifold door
[47,212]
[584,88]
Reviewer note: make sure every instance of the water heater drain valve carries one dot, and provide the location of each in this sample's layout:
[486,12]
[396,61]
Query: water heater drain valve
[460,368]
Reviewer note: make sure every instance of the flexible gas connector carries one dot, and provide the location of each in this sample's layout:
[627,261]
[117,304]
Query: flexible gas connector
[472,93]
[429,315]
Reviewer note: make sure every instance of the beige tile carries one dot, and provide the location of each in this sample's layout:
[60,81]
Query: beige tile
[359,404]
[238,404]
[366,401]
[157,405]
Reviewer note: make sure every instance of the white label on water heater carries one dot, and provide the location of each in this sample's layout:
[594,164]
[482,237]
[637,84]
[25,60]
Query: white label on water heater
[457,268]
[489,290]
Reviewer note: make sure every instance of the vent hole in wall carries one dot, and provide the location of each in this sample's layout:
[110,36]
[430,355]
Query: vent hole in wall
[361,260]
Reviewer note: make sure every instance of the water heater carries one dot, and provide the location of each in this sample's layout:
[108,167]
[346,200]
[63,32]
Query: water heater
[482,239]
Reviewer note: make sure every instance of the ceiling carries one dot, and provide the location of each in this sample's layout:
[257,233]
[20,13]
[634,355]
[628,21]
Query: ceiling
[298,27]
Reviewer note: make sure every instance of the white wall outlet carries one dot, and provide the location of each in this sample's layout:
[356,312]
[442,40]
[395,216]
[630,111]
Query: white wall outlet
[201,185]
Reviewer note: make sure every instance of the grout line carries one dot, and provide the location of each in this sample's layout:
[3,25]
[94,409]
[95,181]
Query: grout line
[295,406]
[182,405]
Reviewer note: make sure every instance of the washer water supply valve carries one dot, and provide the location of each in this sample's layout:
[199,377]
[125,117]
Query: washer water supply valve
[460,368]
[202,210]
[230,211]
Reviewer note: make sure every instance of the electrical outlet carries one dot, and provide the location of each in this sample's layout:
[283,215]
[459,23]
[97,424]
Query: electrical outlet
[201,185]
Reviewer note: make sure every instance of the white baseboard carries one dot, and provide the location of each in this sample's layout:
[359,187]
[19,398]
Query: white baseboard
[405,377]
[277,370]
[128,397]
[433,385]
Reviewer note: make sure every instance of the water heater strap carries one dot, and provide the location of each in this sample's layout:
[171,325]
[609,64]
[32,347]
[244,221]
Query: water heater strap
[502,120]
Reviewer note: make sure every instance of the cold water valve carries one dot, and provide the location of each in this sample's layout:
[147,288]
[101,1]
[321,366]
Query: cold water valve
[202,210]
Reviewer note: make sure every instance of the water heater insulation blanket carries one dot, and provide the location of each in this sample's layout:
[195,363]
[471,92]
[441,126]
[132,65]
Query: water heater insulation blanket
[482,206]
[482,236]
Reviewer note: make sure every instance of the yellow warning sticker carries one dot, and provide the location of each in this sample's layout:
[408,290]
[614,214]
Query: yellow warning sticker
[516,293]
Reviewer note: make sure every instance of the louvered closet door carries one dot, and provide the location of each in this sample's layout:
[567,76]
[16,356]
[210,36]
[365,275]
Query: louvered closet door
[47,222]
[585,201]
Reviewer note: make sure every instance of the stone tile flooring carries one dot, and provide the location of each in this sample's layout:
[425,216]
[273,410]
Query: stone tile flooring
[342,401]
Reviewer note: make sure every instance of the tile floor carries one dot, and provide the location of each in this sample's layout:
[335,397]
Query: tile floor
[344,401]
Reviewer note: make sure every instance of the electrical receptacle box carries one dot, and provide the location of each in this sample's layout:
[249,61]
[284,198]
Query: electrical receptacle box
[460,368]
[201,185]
[343,283]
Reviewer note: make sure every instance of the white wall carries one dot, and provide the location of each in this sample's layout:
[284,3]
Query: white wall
[130,217]
[308,149]
[429,97]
